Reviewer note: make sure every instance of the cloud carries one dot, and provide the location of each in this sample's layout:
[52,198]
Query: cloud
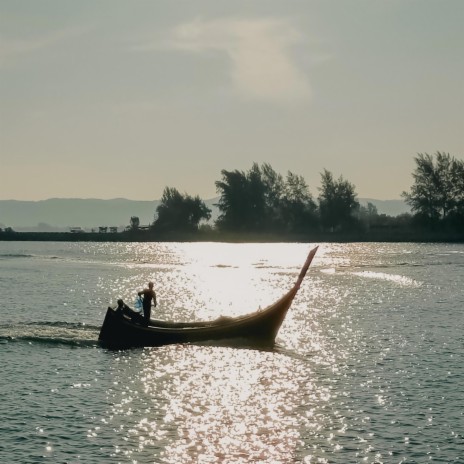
[262,65]
[12,49]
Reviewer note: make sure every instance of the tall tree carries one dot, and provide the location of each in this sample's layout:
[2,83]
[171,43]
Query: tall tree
[257,219]
[337,202]
[457,215]
[274,190]
[179,212]
[234,205]
[298,209]
[247,199]
[438,188]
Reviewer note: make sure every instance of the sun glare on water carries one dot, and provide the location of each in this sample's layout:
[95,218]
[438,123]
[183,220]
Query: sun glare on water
[218,404]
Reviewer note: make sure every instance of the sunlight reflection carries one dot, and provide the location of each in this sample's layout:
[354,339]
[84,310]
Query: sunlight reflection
[202,281]
[228,405]
[188,403]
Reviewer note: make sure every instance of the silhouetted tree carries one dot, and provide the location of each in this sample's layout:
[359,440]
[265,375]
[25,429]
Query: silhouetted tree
[257,219]
[261,200]
[456,215]
[134,222]
[298,209]
[180,212]
[337,202]
[274,191]
[438,189]
[233,200]
[242,200]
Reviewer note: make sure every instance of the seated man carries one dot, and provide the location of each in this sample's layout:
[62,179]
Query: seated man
[134,316]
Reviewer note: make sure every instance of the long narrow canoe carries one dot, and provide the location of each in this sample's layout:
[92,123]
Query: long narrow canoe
[120,331]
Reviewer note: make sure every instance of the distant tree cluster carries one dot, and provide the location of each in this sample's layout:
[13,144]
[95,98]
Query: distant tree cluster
[6,230]
[179,212]
[338,206]
[437,195]
[261,200]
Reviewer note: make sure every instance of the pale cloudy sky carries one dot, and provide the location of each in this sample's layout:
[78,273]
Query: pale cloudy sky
[112,98]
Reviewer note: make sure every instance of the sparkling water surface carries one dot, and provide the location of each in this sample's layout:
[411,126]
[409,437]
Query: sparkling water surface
[368,365]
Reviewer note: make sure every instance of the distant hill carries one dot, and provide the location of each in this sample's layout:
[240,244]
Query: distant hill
[388,207]
[59,214]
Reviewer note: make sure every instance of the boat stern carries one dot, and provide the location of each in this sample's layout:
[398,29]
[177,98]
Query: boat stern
[106,330]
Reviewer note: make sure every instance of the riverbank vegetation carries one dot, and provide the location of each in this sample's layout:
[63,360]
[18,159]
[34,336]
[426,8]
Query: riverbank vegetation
[263,205]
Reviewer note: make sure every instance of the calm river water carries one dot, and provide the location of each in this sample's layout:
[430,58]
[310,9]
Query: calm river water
[368,366]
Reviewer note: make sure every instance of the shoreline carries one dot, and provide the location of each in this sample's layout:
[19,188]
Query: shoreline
[411,236]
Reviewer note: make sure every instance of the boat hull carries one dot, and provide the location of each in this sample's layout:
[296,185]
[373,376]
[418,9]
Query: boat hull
[120,331]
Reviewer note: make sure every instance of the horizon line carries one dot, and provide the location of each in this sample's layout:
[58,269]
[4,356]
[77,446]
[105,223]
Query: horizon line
[157,200]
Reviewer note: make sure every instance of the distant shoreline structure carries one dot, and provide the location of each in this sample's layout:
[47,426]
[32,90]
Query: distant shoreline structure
[387,235]
[62,214]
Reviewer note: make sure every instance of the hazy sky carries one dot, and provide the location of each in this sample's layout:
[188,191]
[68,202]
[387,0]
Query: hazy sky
[105,99]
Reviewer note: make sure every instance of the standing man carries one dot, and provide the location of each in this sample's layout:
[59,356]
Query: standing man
[148,295]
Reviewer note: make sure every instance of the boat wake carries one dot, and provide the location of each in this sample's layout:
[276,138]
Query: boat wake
[51,333]
[14,256]
[400,280]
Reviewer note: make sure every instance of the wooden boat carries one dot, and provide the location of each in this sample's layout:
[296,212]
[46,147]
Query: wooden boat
[122,330]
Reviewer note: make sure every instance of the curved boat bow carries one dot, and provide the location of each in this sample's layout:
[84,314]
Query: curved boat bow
[120,330]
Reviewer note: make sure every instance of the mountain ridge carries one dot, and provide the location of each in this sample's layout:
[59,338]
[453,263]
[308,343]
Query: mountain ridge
[60,214]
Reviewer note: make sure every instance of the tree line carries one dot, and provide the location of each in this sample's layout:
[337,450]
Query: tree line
[261,200]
